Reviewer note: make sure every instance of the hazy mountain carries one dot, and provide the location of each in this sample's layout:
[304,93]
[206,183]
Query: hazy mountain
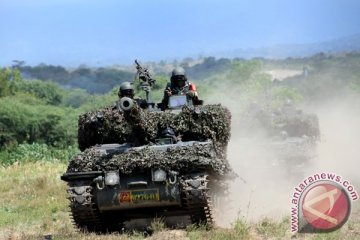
[101,57]
[345,44]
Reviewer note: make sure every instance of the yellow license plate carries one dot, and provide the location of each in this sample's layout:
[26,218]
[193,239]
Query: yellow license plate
[135,196]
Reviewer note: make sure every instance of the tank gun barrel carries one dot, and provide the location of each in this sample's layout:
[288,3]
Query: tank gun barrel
[126,104]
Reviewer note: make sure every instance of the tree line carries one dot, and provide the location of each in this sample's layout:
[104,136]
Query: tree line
[45,109]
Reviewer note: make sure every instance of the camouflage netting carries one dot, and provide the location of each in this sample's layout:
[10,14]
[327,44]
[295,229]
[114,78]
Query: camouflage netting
[104,126]
[290,120]
[142,127]
[296,150]
[182,159]
[299,125]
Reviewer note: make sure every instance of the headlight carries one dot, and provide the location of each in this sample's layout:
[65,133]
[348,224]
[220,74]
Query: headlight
[158,175]
[112,178]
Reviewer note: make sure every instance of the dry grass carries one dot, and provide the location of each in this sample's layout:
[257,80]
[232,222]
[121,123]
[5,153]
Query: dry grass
[33,200]
[34,205]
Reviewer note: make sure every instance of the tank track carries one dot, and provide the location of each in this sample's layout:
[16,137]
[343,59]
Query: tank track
[84,211]
[195,198]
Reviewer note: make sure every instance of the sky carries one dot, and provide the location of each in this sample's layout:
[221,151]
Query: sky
[103,32]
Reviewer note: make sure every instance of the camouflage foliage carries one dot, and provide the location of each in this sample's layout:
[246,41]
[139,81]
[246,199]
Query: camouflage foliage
[142,127]
[298,125]
[290,120]
[106,125]
[184,159]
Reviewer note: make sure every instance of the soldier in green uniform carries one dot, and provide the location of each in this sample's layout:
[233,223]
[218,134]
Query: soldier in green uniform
[179,85]
[127,90]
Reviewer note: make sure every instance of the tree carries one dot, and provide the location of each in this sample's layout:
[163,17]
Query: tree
[242,70]
[24,123]
[76,97]
[50,92]
[10,79]
[4,82]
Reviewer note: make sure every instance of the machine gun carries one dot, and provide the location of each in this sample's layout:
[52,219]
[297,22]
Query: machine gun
[146,81]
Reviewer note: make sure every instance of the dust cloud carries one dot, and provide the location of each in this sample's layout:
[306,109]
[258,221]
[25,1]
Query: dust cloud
[264,188]
[339,149]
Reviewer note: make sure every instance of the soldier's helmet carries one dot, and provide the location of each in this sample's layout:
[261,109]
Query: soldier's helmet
[178,77]
[169,133]
[126,90]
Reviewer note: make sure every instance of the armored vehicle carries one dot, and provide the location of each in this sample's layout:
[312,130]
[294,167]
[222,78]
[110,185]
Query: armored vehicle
[145,163]
[287,136]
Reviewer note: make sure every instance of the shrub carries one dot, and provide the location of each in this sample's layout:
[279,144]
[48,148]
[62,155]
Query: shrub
[36,152]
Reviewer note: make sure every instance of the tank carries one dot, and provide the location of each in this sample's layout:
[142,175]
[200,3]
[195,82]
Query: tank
[148,162]
[287,136]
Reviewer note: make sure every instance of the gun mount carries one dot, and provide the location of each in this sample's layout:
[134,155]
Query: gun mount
[146,81]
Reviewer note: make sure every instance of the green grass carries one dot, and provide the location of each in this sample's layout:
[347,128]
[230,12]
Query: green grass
[269,228]
[36,152]
[239,230]
[33,204]
[33,198]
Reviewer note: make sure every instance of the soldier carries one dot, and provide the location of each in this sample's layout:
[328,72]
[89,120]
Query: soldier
[179,85]
[169,133]
[127,90]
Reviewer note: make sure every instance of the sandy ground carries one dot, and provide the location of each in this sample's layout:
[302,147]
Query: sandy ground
[281,74]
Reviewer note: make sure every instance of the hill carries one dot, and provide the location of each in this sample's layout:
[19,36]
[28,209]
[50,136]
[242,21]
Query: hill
[344,44]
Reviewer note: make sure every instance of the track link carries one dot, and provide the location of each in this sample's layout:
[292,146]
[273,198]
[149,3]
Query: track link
[195,198]
[84,211]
